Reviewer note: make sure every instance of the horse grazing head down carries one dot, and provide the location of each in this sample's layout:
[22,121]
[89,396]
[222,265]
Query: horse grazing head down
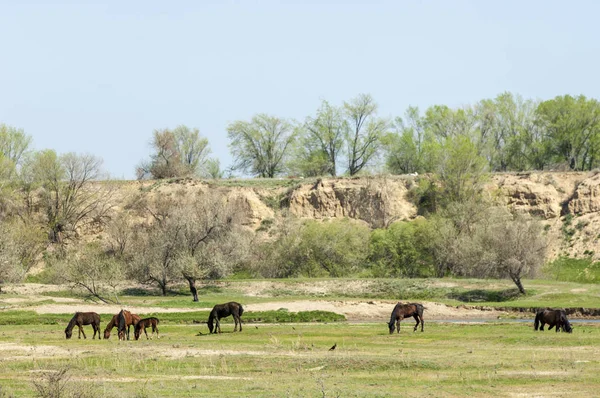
[211,326]
[391,326]
[68,333]
[566,325]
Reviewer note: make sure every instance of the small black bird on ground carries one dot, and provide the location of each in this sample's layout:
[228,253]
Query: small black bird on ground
[333,347]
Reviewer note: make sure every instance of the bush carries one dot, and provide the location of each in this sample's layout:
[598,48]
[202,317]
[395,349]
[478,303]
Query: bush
[400,251]
[317,249]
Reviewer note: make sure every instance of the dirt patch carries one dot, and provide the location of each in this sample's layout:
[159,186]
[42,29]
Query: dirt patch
[352,310]
[106,309]
[37,351]
[372,310]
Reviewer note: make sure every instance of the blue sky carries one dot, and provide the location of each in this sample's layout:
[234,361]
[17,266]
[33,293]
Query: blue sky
[99,77]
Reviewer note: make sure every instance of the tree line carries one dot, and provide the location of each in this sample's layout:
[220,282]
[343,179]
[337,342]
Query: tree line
[47,200]
[507,133]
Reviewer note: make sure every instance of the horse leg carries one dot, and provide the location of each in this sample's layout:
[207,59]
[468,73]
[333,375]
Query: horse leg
[398,325]
[128,326]
[81,331]
[218,325]
[146,333]
[240,321]
[417,324]
[422,323]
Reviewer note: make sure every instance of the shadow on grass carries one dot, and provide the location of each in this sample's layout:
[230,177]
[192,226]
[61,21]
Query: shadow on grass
[480,295]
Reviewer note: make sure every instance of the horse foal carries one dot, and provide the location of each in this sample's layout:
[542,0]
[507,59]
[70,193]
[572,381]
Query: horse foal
[143,324]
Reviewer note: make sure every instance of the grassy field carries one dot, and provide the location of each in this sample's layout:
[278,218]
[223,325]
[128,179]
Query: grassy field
[286,354]
[294,360]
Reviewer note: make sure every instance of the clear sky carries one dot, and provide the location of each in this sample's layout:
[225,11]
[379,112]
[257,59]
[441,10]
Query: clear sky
[99,77]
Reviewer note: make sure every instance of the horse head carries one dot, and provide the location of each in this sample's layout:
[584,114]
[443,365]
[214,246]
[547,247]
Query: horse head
[106,334]
[391,326]
[210,326]
[68,333]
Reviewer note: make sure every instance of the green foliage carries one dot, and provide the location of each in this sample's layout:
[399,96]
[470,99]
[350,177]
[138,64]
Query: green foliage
[572,129]
[261,146]
[364,130]
[321,142]
[313,249]
[400,251]
[581,270]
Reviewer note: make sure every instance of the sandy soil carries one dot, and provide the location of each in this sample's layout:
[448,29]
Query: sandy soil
[353,310]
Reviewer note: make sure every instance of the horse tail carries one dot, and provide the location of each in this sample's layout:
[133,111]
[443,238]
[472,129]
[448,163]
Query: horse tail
[122,321]
[241,310]
[536,324]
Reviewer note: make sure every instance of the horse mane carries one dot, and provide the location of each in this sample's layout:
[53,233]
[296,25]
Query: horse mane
[110,325]
[72,322]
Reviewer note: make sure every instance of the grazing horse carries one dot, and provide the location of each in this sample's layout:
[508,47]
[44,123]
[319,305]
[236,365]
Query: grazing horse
[143,324]
[83,318]
[402,311]
[130,319]
[224,310]
[554,318]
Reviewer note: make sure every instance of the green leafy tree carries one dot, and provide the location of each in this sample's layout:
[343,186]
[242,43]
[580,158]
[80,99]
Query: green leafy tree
[461,169]
[315,249]
[14,144]
[364,131]
[572,127]
[399,251]
[324,139]
[260,147]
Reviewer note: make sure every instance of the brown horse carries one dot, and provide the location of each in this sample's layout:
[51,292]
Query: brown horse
[83,318]
[224,310]
[554,318]
[402,311]
[143,324]
[115,322]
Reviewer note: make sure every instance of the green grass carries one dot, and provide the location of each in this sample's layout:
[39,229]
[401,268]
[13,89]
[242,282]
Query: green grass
[581,270]
[452,360]
[279,316]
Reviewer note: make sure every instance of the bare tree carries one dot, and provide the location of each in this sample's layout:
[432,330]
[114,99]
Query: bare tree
[71,192]
[187,239]
[91,270]
[516,248]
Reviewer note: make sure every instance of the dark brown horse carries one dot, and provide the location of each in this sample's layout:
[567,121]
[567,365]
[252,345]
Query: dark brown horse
[115,322]
[224,310]
[83,318]
[143,324]
[402,311]
[554,318]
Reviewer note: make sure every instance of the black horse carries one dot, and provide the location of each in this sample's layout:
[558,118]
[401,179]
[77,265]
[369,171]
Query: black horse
[224,310]
[402,311]
[83,318]
[554,318]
